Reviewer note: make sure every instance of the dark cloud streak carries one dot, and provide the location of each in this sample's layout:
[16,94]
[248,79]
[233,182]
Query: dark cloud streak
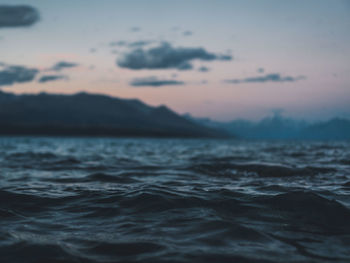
[203,69]
[165,56]
[17,74]
[274,77]
[18,16]
[63,64]
[49,78]
[154,82]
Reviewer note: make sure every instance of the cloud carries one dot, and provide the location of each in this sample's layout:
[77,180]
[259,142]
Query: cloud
[140,43]
[187,33]
[154,82]
[134,44]
[135,29]
[49,78]
[120,43]
[18,16]
[175,28]
[225,57]
[275,77]
[62,65]
[16,74]
[204,69]
[165,56]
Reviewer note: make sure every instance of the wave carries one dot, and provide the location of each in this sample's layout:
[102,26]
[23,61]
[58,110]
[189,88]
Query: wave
[308,208]
[29,155]
[259,169]
[125,249]
[30,203]
[347,184]
[31,252]
[95,177]
[136,200]
[41,161]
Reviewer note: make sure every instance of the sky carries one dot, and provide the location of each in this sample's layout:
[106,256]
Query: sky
[219,59]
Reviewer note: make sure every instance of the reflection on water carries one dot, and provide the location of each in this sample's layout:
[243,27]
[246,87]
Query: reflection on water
[149,200]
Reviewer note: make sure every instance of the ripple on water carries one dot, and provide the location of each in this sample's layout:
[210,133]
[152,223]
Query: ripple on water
[171,200]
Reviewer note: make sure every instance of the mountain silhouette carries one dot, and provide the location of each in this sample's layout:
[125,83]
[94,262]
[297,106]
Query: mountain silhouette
[92,115]
[278,127]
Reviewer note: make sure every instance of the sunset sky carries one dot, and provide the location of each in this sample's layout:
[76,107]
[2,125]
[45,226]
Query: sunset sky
[219,59]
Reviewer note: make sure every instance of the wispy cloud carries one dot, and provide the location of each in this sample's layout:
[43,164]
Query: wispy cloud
[274,77]
[139,43]
[165,56]
[130,44]
[187,33]
[50,78]
[135,29]
[63,65]
[119,43]
[18,16]
[203,69]
[154,82]
[17,74]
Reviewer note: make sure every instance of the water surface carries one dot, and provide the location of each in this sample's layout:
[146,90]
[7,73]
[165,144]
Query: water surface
[172,200]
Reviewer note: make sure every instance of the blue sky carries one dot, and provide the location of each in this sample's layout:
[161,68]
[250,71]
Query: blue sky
[290,55]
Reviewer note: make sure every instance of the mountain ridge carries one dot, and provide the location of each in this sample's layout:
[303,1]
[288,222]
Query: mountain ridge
[279,127]
[92,114]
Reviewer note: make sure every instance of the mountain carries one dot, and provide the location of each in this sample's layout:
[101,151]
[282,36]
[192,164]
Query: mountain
[91,114]
[278,127]
[334,129]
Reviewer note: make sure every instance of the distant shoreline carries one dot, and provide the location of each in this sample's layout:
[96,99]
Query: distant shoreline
[86,114]
[95,133]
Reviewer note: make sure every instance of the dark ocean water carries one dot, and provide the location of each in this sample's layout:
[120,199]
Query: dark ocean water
[149,200]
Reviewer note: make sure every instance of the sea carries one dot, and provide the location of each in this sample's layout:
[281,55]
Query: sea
[173,200]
